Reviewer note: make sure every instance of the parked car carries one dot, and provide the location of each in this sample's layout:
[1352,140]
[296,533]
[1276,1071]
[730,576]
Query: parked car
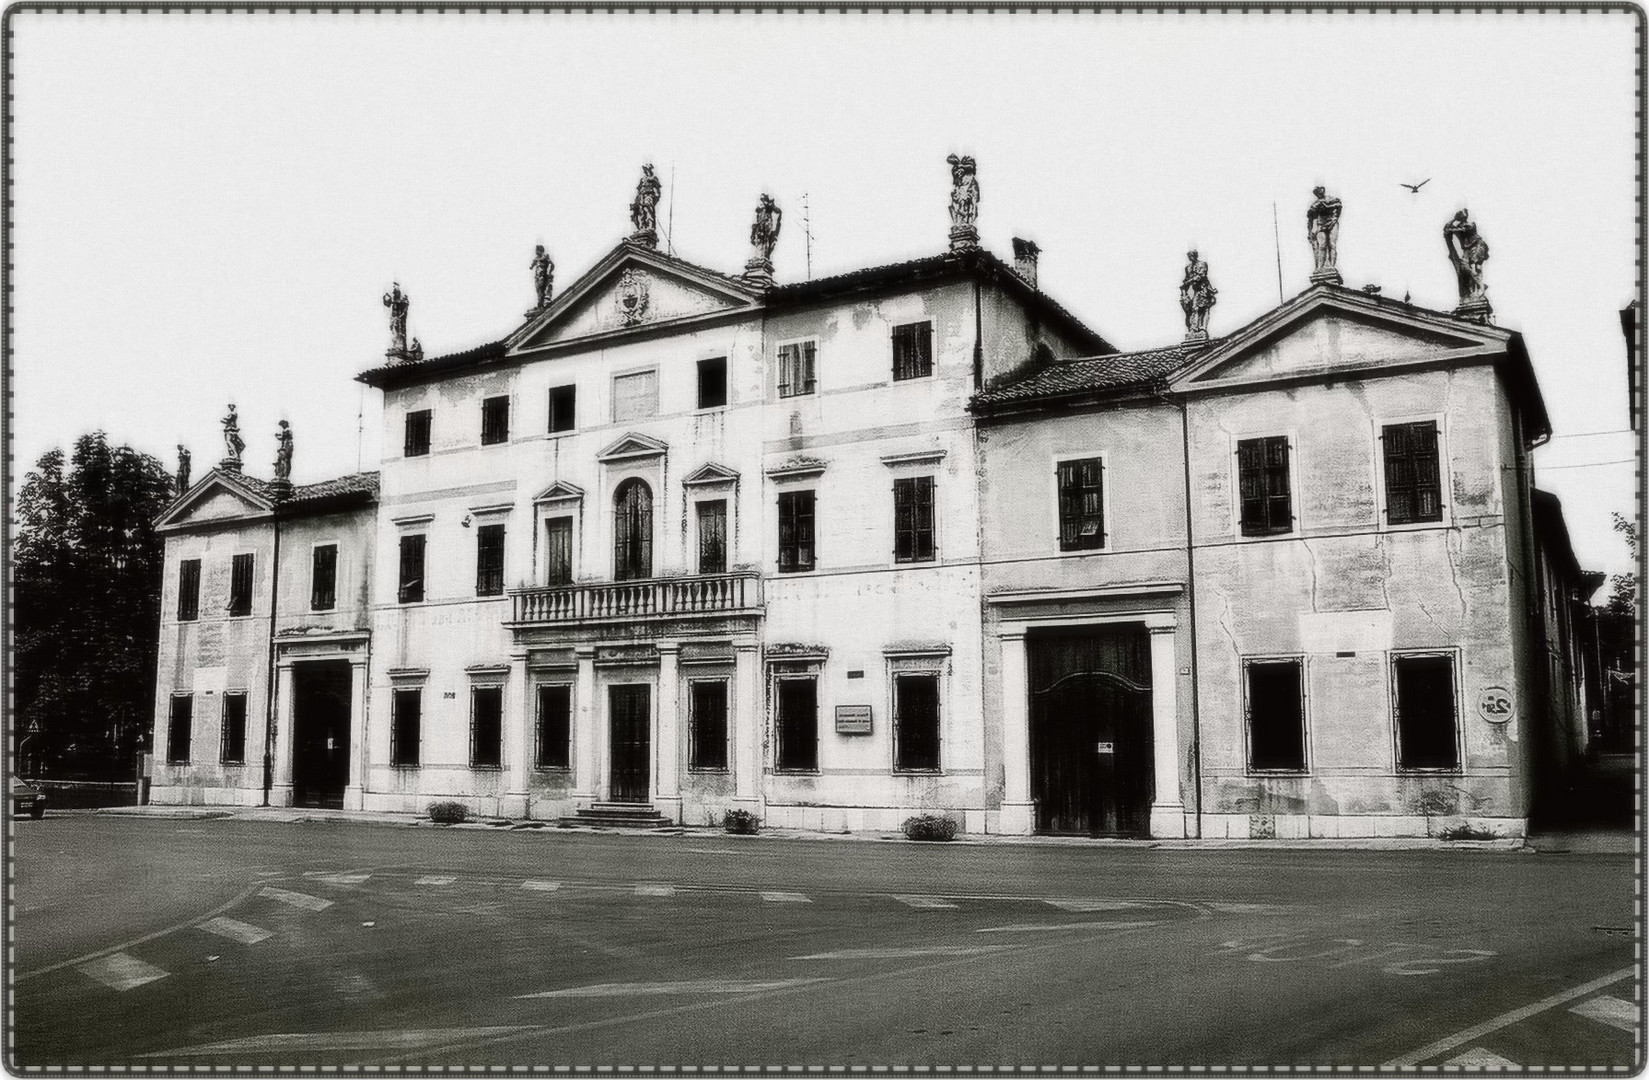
[25,796]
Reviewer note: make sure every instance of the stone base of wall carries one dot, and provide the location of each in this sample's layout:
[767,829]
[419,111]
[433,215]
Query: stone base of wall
[189,795]
[854,819]
[1355,826]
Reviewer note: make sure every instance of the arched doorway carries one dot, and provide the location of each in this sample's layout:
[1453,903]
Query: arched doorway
[632,531]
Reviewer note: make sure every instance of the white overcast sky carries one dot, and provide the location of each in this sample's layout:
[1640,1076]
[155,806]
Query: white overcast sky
[208,207]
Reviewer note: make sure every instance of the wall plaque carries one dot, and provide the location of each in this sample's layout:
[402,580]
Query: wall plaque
[853,719]
[1495,705]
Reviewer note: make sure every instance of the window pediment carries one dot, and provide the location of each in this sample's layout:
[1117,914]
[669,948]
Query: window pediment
[710,474]
[633,446]
[560,491]
[796,468]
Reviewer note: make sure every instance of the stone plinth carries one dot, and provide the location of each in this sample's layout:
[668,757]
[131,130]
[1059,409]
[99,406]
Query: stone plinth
[964,238]
[759,272]
[1196,337]
[1476,310]
[280,489]
[1328,275]
[230,465]
[645,237]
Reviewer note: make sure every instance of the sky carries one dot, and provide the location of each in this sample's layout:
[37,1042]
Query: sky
[209,207]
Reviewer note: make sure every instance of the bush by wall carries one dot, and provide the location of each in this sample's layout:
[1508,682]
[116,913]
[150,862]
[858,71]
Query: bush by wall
[742,822]
[448,813]
[929,827]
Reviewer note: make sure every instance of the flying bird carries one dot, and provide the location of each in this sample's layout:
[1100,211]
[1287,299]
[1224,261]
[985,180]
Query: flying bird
[1415,188]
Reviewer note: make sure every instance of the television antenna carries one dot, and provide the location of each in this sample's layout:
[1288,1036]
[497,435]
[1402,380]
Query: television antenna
[670,219]
[807,235]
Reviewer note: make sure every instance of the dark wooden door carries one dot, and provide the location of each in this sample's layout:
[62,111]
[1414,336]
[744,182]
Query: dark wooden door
[320,732]
[631,776]
[1090,721]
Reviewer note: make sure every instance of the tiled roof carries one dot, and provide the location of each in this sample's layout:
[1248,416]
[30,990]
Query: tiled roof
[355,484]
[480,354]
[1064,378]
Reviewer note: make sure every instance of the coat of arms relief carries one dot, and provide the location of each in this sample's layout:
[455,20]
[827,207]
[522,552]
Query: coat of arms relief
[631,299]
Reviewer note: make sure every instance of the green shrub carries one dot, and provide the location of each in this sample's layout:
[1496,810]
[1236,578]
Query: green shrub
[1466,832]
[448,813]
[929,827]
[742,822]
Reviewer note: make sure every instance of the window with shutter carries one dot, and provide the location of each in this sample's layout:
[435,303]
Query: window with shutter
[323,578]
[913,519]
[417,433]
[1414,489]
[796,362]
[633,531]
[489,560]
[712,523]
[233,750]
[188,590]
[912,351]
[1081,504]
[495,421]
[1267,504]
[558,551]
[795,531]
[412,569]
[240,585]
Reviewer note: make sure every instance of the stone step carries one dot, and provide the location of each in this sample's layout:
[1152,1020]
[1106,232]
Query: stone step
[619,815]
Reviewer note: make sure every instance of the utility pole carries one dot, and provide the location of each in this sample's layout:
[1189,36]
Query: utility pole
[670,219]
[1277,235]
[807,235]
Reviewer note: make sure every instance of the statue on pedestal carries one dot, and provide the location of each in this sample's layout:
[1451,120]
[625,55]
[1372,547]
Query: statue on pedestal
[1322,229]
[964,203]
[644,209]
[543,277]
[183,465]
[1468,251]
[1197,296]
[397,302]
[233,444]
[283,453]
[764,235]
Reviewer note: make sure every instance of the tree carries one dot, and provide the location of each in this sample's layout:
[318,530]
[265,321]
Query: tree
[1623,592]
[87,575]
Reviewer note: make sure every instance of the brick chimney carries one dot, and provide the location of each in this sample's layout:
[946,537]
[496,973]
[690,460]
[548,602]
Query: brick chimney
[1024,259]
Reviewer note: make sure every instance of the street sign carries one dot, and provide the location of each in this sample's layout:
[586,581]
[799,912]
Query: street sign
[1105,748]
[853,719]
[1495,705]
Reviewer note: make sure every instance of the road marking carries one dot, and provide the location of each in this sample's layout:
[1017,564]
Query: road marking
[655,890]
[122,971]
[1095,905]
[1225,908]
[1609,1010]
[324,1041]
[892,953]
[924,902]
[541,886]
[296,899]
[1479,1058]
[1032,927]
[691,986]
[342,879]
[235,930]
[785,898]
[1472,1034]
[434,881]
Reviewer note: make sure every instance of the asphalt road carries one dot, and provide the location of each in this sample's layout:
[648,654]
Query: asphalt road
[155,942]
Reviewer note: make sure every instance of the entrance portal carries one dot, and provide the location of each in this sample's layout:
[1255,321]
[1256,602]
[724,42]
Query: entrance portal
[631,742]
[320,732]
[1090,729]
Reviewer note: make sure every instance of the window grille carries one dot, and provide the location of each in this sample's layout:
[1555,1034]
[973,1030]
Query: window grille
[233,750]
[1081,504]
[916,723]
[1276,715]
[633,531]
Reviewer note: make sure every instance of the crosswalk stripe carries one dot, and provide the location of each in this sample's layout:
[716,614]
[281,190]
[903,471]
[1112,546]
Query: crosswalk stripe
[1095,905]
[296,899]
[1609,1010]
[342,879]
[897,953]
[121,971]
[1031,927]
[541,886]
[655,890]
[1479,1058]
[691,986]
[924,902]
[434,881]
[785,898]
[235,930]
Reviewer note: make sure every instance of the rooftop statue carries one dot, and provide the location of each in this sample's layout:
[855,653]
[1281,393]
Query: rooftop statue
[764,232]
[644,209]
[183,465]
[1468,251]
[283,452]
[1197,296]
[543,277]
[1322,229]
[397,302]
[233,444]
[964,202]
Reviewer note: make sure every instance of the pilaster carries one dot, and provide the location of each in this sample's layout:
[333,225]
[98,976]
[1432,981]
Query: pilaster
[747,710]
[280,790]
[586,786]
[667,782]
[1168,807]
[1018,812]
[514,802]
[355,788]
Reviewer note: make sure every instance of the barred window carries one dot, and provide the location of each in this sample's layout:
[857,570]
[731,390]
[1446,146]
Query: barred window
[796,368]
[708,724]
[417,433]
[913,519]
[487,727]
[1414,488]
[798,725]
[495,421]
[1427,721]
[912,351]
[554,726]
[188,590]
[412,569]
[233,751]
[323,578]
[1081,504]
[1276,715]
[916,723]
[240,585]
[633,531]
[405,726]
[180,728]
[1263,487]
[795,531]
[489,560]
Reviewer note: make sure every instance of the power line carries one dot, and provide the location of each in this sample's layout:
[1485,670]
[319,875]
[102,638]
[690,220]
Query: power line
[1589,434]
[1587,464]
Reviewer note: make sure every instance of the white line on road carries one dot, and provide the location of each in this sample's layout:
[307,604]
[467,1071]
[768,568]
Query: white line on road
[1032,927]
[342,879]
[1479,1058]
[235,930]
[924,902]
[785,898]
[1609,1010]
[894,953]
[691,986]
[333,1041]
[541,886]
[434,881]
[296,899]
[1095,905]
[1472,1034]
[655,890]
[122,971]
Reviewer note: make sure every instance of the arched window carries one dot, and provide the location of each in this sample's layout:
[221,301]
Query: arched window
[633,531]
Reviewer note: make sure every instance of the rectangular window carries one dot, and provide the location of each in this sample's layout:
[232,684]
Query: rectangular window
[558,551]
[417,433]
[713,383]
[635,396]
[1081,504]
[1276,715]
[1427,725]
[1414,489]
[240,585]
[495,421]
[712,521]
[188,590]
[798,749]
[563,408]
[912,351]
[406,726]
[795,531]
[489,560]
[412,568]
[916,723]
[1262,482]
[708,742]
[555,711]
[796,368]
[234,729]
[487,727]
[913,519]
[323,578]
[180,729]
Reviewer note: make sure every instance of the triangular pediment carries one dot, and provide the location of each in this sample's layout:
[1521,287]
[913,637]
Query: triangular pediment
[634,287]
[633,445]
[216,498]
[558,492]
[1335,332]
[711,473]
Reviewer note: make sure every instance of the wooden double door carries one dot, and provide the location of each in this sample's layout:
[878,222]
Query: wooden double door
[630,734]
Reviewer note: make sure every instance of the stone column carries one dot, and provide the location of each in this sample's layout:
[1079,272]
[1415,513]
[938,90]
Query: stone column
[1018,812]
[586,786]
[280,791]
[356,785]
[1168,808]
[747,727]
[516,708]
[667,757]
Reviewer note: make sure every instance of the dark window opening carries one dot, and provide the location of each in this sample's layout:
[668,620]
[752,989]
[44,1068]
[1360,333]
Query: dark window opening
[489,560]
[563,408]
[1081,504]
[633,531]
[708,724]
[558,551]
[323,578]
[1427,725]
[1414,489]
[406,726]
[712,521]
[916,723]
[487,727]
[180,728]
[912,351]
[795,531]
[1276,715]
[713,383]
[796,362]
[1262,479]
[495,421]
[188,590]
[240,585]
[555,711]
[417,434]
[233,750]
[913,519]
[798,725]
[412,569]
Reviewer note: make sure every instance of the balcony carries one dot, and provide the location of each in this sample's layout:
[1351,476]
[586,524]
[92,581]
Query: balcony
[655,598]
